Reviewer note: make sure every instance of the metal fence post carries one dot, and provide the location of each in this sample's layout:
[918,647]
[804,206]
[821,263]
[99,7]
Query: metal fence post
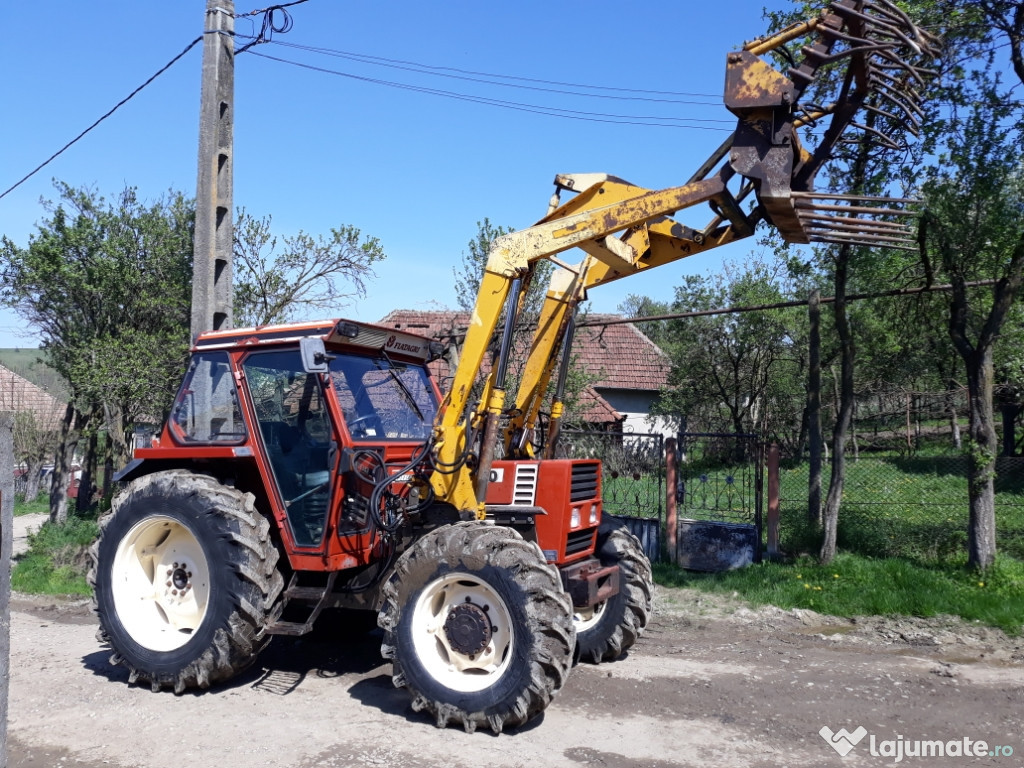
[773,500]
[671,519]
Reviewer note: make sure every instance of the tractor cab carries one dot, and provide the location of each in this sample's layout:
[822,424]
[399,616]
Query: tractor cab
[315,416]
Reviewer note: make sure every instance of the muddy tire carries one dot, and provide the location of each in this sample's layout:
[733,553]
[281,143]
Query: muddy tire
[185,580]
[609,629]
[477,627]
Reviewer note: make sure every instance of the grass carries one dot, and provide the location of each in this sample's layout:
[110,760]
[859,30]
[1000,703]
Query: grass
[57,560]
[41,505]
[855,585]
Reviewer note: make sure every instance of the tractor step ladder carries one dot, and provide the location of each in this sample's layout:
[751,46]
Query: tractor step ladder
[312,598]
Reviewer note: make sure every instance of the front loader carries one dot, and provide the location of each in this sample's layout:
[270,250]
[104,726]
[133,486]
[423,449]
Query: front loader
[317,466]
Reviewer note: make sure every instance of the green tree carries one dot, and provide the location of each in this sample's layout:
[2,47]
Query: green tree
[730,370]
[635,305]
[35,440]
[858,165]
[278,278]
[975,199]
[106,284]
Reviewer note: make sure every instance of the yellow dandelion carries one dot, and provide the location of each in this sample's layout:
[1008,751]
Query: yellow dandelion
[981,583]
[835,575]
[807,586]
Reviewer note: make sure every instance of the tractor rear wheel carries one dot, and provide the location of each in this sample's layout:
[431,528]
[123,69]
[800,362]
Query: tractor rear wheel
[185,580]
[477,627]
[605,631]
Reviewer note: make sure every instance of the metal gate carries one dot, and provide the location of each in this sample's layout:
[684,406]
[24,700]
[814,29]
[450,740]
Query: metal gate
[632,481]
[720,481]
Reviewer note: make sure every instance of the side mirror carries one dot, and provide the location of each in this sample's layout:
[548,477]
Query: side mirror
[314,355]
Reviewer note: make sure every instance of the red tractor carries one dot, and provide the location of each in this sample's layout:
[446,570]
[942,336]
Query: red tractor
[317,465]
[294,475]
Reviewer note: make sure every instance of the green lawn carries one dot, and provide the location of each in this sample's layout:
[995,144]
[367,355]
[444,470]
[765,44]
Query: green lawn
[861,586]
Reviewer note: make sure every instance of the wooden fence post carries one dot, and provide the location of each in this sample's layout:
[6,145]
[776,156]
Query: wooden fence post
[671,513]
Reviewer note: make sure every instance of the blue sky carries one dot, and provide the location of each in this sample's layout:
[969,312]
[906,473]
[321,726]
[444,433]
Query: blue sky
[317,150]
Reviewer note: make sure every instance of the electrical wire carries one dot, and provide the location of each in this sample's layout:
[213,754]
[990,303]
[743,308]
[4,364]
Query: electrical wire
[111,111]
[490,78]
[270,24]
[572,114]
[269,8]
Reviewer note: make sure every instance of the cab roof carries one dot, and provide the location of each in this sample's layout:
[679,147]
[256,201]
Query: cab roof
[334,332]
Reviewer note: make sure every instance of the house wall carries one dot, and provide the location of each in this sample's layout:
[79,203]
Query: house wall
[636,405]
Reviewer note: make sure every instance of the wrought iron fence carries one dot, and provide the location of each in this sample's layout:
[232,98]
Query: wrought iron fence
[720,477]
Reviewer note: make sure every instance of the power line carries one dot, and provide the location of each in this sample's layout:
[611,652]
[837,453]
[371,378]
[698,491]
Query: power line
[491,78]
[599,117]
[270,8]
[117,106]
[270,24]
[782,304]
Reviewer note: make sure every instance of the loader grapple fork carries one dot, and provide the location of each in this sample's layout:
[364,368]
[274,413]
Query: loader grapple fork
[872,56]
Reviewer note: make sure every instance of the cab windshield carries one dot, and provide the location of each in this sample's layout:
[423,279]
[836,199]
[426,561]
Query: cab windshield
[382,398]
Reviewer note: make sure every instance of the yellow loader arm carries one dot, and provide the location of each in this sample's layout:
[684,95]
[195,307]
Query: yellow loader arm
[868,49]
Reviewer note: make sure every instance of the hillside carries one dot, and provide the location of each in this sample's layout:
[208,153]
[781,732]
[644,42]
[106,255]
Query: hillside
[27,363]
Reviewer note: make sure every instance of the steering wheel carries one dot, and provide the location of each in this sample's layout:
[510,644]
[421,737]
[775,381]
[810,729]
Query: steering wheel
[360,427]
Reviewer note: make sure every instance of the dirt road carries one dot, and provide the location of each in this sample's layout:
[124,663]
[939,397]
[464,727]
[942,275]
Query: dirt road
[710,684]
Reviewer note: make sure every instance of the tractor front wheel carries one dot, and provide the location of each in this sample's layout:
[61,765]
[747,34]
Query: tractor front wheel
[185,579]
[477,627]
[607,630]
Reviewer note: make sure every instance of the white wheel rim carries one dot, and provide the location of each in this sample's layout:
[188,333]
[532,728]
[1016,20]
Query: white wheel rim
[160,582]
[456,670]
[586,618]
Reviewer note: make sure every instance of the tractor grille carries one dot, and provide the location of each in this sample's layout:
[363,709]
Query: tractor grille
[579,541]
[584,481]
[525,491]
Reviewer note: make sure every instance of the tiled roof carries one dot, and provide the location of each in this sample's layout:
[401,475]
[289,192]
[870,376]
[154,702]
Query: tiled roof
[620,356]
[435,324]
[594,409]
[20,394]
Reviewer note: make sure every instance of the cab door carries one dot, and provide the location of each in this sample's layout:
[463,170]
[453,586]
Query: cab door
[298,439]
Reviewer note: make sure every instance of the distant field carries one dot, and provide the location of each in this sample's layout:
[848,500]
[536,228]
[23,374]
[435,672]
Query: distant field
[25,362]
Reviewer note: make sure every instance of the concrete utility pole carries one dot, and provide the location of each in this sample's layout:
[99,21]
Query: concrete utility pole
[6,543]
[211,268]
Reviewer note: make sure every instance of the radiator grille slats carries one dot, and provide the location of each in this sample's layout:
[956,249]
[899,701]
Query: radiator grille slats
[525,491]
[578,541]
[584,482]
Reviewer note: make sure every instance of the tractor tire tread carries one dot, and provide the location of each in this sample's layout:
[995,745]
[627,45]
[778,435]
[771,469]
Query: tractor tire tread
[548,609]
[241,635]
[636,585]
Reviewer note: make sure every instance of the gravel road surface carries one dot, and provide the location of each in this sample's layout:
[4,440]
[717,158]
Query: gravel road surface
[711,683]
